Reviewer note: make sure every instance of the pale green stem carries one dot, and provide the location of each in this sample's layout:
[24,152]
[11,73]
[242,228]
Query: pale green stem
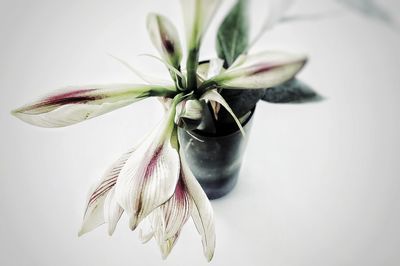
[193,54]
[191,67]
[170,120]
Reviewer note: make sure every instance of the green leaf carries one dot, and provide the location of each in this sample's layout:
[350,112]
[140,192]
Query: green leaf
[233,34]
[292,91]
[241,101]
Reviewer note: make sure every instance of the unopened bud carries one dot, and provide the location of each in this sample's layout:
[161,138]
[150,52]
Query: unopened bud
[189,113]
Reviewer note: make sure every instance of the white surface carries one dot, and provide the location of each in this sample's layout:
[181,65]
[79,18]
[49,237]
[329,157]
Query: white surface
[320,183]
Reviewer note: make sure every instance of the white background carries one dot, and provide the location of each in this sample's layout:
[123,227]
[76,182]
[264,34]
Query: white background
[320,182]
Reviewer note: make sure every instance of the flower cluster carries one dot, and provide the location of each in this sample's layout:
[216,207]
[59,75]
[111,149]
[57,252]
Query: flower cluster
[153,180]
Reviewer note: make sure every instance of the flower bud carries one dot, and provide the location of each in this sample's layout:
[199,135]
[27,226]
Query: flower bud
[189,113]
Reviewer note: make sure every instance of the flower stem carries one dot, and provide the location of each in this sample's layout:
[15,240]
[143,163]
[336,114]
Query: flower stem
[171,116]
[191,66]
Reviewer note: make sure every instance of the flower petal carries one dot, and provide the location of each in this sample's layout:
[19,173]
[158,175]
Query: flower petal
[94,213]
[168,219]
[176,211]
[261,70]
[209,69]
[188,110]
[157,219]
[76,104]
[202,213]
[197,15]
[112,211]
[165,38]
[167,245]
[145,237]
[213,95]
[149,177]
[215,67]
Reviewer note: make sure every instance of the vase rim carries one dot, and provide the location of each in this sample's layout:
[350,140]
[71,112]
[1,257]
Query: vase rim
[198,134]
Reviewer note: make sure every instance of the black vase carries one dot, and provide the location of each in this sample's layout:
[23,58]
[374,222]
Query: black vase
[215,160]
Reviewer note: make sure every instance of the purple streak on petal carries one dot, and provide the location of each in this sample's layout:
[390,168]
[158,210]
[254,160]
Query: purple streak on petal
[166,41]
[73,97]
[151,166]
[180,190]
[260,68]
[77,96]
[153,162]
[75,93]
[103,188]
[168,44]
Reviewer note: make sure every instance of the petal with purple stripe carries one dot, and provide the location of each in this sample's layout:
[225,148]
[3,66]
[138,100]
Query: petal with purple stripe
[176,211]
[150,175]
[261,70]
[75,104]
[165,38]
[99,198]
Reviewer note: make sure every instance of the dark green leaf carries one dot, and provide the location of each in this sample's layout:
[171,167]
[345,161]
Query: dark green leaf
[241,102]
[233,34]
[290,91]
[207,124]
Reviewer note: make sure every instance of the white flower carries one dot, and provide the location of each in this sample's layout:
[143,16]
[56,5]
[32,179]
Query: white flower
[140,181]
[152,180]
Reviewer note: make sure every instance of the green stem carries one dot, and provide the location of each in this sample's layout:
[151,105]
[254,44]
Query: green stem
[207,85]
[171,123]
[191,67]
[163,91]
[177,79]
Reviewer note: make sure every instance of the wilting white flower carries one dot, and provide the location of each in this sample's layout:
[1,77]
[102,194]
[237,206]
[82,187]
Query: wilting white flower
[152,180]
[150,174]
[141,180]
[188,200]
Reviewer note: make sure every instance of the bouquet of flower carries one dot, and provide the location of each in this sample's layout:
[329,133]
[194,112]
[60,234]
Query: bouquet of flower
[153,181]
